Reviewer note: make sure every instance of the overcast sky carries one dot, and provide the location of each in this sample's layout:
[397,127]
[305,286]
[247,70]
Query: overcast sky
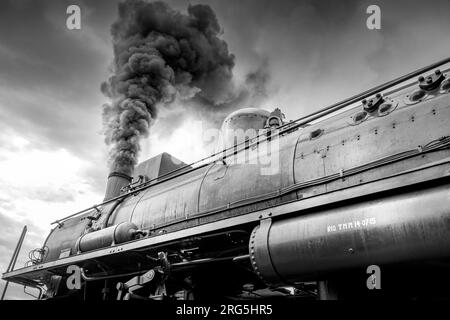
[52,154]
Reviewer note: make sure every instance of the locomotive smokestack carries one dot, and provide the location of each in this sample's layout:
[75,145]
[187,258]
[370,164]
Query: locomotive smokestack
[116,181]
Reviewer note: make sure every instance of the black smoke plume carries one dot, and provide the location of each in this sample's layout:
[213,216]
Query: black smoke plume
[161,56]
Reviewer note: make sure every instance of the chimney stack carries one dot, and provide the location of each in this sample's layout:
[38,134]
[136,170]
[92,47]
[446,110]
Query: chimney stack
[116,181]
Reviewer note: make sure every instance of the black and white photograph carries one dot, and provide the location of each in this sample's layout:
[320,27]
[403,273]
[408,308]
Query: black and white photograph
[247,153]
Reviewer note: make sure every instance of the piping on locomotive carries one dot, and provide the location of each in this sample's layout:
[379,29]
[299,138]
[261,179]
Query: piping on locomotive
[363,182]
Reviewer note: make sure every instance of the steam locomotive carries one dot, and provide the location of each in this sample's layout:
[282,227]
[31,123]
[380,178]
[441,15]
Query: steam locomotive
[297,209]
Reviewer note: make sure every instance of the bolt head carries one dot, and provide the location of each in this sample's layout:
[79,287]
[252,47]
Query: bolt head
[437,72]
[364,101]
[421,78]
[378,95]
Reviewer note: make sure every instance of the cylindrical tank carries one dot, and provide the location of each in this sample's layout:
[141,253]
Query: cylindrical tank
[413,226]
[119,233]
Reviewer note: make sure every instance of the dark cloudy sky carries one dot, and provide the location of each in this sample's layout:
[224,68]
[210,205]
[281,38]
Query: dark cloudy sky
[52,155]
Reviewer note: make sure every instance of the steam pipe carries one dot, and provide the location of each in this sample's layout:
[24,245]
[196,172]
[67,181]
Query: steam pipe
[288,126]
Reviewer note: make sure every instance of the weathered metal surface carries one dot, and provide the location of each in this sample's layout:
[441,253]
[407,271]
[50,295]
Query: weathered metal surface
[437,173]
[241,124]
[63,237]
[397,228]
[157,166]
[14,256]
[174,199]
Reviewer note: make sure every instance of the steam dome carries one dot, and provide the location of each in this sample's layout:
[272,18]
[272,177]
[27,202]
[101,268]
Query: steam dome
[240,125]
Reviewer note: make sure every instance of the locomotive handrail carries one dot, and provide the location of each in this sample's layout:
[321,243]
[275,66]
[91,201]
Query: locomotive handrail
[285,128]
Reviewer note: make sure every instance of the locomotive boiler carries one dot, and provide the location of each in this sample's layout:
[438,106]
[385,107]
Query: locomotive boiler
[298,209]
